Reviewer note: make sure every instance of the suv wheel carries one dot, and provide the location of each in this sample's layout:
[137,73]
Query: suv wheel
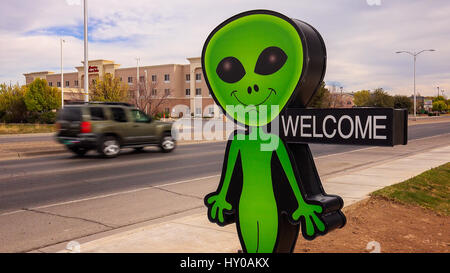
[110,147]
[78,151]
[167,144]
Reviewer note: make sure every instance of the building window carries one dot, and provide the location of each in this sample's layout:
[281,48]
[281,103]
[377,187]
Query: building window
[142,79]
[198,91]
[120,78]
[154,92]
[50,84]
[188,77]
[188,92]
[166,78]
[94,81]
[67,83]
[153,78]
[167,92]
[166,110]
[130,80]
[198,111]
[211,110]
[198,77]
[75,82]
[58,84]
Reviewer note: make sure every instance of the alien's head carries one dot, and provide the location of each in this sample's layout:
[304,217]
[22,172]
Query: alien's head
[262,58]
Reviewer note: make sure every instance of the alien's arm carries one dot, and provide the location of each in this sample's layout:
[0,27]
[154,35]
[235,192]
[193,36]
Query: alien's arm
[305,210]
[230,158]
[287,167]
[216,201]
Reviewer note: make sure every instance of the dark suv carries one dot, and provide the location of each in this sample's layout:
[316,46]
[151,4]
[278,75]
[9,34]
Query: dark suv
[107,127]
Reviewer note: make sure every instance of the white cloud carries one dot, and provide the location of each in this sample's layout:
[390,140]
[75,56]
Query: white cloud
[361,39]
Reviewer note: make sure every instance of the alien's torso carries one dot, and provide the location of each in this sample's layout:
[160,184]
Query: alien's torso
[257,190]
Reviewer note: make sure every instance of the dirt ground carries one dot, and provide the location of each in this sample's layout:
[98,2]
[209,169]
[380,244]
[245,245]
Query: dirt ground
[396,227]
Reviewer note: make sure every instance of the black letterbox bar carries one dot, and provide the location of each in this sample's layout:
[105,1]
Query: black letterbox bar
[353,126]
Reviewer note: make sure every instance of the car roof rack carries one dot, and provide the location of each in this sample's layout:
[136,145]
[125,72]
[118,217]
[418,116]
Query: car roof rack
[100,102]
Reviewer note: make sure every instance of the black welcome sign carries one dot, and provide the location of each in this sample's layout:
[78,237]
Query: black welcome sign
[354,126]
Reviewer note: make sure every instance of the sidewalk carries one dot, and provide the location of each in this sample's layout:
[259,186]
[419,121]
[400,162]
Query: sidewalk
[195,234]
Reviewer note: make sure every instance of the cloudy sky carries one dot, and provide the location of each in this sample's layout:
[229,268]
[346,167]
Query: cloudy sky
[362,36]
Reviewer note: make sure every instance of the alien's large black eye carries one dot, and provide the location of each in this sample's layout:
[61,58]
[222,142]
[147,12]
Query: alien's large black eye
[270,61]
[230,70]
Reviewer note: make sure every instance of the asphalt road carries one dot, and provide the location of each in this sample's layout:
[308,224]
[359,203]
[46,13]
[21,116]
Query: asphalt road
[51,179]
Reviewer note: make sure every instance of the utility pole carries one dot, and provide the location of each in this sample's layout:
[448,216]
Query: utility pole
[62,75]
[438,91]
[86,66]
[414,54]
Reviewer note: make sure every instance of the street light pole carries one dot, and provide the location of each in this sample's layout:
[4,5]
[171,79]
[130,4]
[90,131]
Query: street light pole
[86,67]
[414,54]
[438,90]
[62,75]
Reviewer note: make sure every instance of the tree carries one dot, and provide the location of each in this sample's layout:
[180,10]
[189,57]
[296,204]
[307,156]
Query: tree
[438,98]
[321,98]
[361,98]
[12,103]
[380,98]
[440,106]
[403,102]
[40,98]
[109,89]
[147,101]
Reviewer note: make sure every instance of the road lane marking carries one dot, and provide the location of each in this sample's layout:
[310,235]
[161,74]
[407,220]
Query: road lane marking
[347,152]
[108,164]
[412,140]
[374,147]
[110,178]
[111,194]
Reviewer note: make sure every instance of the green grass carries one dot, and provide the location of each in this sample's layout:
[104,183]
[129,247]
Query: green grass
[430,190]
[6,128]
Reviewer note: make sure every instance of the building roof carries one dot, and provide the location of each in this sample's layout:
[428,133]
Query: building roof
[39,72]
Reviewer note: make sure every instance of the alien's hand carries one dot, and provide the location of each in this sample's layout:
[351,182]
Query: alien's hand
[216,205]
[308,211]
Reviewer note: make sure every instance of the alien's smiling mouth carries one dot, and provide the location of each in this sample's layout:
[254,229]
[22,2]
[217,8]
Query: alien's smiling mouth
[245,104]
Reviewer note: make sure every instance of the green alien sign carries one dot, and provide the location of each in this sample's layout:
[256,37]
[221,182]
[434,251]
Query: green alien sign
[261,62]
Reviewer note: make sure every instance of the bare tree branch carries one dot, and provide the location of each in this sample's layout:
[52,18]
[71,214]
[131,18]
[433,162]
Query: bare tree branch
[147,102]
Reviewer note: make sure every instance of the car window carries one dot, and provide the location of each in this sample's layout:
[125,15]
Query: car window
[118,114]
[140,116]
[70,114]
[97,113]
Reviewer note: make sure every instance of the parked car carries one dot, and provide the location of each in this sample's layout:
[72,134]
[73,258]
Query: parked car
[107,127]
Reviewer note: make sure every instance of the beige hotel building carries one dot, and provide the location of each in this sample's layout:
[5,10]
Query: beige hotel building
[181,87]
